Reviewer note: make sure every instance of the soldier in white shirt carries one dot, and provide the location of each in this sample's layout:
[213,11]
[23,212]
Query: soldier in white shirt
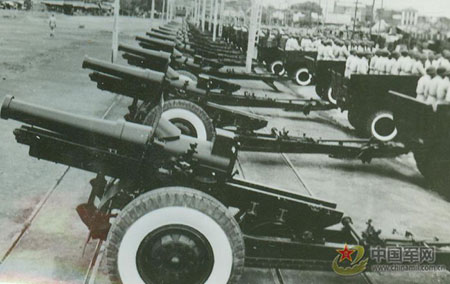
[373,62]
[423,82]
[328,50]
[363,63]
[306,43]
[350,63]
[382,63]
[292,44]
[406,63]
[443,87]
[431,91]
[395,65]
[418,67]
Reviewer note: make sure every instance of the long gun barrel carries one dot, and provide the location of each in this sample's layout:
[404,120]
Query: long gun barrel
[74,125]
[95,138]
[164,45]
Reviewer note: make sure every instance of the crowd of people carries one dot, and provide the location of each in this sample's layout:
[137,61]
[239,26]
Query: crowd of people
[364,57]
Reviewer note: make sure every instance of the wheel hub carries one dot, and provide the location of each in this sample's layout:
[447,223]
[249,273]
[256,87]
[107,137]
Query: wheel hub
[185,126]
[175,254]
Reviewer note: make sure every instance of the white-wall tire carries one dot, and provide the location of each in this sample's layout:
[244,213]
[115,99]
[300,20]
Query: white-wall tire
[189,117]
[298,78]
[330,97]
[277,68]
[374,126]
[175,206]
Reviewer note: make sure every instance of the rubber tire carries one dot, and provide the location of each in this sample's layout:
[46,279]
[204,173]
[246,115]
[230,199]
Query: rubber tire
[369,127]
[302,83]
[330,96]
[272,67]
[189,108]
[188,74]
[179,197]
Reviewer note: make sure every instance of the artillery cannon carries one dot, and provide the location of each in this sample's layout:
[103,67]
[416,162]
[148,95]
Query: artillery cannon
[167,211]
[208,92]
[155,60]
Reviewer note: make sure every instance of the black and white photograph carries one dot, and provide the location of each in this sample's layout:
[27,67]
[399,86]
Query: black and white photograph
[224,141]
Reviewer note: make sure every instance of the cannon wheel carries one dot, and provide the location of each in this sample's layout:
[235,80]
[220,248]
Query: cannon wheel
[191,119]
[303,77]
[380,125]
[188,75]
[277,68]
[175,235]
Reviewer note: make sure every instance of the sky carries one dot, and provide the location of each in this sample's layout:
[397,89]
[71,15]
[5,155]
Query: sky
[434,8]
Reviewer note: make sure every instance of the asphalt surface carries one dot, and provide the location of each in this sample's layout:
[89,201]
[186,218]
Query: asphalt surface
[42,239]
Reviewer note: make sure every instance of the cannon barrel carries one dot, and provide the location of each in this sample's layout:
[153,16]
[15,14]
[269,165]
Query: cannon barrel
[115,133]
[147,53]
[156,42]
[74,125]
[122,71]
[154,34]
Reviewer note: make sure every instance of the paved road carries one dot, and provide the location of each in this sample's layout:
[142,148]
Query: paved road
[40,197]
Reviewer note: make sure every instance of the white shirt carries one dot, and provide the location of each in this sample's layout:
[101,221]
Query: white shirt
[354,65]
[418,68]
[395,70]
[422,84]
[292,44]
[442,89]
[363,66]
[431,91]
[406,65]
[373,64]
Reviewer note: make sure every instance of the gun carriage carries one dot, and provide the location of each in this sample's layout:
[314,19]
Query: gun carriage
[173,208]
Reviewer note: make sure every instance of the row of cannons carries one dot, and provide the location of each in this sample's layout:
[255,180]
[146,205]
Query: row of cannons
[166,195]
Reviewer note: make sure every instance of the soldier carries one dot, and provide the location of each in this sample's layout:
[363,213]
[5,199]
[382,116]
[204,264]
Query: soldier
[431,91]
[52,24]
[306,43]
[436,61]
[363,62]
[382,63]
[418,67]
[447,97]
[395,69]
[443,87]
[373,62]
[328,50]
[405,63]
[423,83]
[349,64]
[292,44]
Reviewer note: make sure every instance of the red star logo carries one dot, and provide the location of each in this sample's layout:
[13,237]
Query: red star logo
[346,253]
